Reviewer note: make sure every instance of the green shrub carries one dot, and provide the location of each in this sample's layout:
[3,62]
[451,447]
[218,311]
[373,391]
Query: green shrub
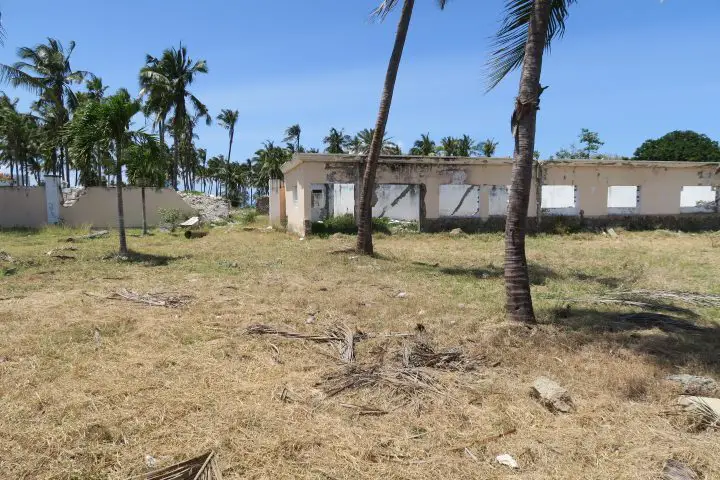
[346,224]
[171,217]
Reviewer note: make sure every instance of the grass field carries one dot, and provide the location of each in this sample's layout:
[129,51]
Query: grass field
[90,385]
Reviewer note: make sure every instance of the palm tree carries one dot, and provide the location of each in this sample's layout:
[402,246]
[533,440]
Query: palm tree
[527,30]
[364,220]
[361,143]
[269,160]
[466,146]
[449,147]
[146,167]
[45,70]
[228,119]
[19,141]
[109,121]
[292,135]
[165,82]
[488,147]
[337,142]
[425,146]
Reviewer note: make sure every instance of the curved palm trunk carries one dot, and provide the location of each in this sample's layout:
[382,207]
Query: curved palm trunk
[121,212]
[144,217]
[517,279]
[364,220]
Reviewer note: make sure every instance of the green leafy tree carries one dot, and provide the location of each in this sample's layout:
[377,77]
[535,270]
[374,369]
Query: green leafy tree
[45,70]
[337,142]
[108,121]
[364,221]
[146,167]
[680,146]
[488,147]
[165,81]
[592,142]
[528,28]
[424,146]
[228,119]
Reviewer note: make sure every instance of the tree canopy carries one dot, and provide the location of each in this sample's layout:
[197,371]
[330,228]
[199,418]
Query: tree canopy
[681,146]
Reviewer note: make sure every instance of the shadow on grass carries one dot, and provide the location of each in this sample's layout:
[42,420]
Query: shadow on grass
[538,273]
[673,341]
[146,259]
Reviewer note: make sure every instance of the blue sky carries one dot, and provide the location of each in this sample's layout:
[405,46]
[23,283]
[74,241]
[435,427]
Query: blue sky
[628,69]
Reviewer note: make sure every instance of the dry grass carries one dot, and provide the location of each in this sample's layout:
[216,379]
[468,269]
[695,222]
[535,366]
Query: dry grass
[89,385]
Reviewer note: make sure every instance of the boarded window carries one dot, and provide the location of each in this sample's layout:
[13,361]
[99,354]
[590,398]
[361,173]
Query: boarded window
[559,200]
[459,200]
[697,199]
[317,199]
[498,200]
[623,199]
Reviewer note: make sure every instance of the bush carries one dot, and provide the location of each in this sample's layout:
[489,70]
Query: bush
[346,224]
[171,217]
[248,215]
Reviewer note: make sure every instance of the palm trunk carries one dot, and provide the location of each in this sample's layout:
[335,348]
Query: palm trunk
[228,165]
[176,160]
[364,220]
[517,279]
[144,218]
[67,164]
[121,212]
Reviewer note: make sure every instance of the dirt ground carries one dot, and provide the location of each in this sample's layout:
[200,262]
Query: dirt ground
[90,386]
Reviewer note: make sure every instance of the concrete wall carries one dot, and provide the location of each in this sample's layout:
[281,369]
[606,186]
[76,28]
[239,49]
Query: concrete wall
[27,207]
[22,207]
[98,207]
[276,209]
[477,188]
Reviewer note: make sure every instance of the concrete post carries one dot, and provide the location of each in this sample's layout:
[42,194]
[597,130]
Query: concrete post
[277,202]
[52,199]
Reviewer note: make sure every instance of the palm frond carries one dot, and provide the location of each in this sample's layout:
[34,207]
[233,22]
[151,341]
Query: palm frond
[387,6]
[509,42]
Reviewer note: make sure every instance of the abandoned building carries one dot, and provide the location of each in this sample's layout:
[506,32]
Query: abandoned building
[441,193]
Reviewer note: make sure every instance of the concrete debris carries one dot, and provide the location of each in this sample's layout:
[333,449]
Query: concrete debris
[612,233]
[402,295]
[552,396]
[5,257]
[695,385]
[210,209]
[71,195]
[310,319]
[675,470]
[150,461]
[507,460]
[456,232]
[190,222]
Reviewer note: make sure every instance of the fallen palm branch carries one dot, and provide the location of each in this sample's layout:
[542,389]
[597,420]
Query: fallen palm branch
[204,467]
[91,235]
[401,380]
[341,336]
[420,354]
[155,300]
[5,257]
[699,299]
[58,253]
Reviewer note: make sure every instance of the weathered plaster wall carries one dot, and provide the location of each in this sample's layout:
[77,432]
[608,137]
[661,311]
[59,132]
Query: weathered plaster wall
[22,207]
[475,190]
[98,207]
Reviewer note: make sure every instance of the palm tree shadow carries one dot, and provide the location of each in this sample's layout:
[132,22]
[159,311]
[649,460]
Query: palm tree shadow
[678,340]
[539,274]
[146,259]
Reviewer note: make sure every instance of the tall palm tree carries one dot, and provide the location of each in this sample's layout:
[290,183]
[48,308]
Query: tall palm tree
[425,146]
[45,70]
[228,119]
[292,135]
[364,221]
[337,142]
[165,81]
[146,168]
[269,160]
[108,120]
[527,30]
[488,147]
[19,141]
[466,146]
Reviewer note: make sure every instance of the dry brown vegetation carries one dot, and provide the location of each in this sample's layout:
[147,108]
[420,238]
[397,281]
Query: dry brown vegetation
[94,375]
